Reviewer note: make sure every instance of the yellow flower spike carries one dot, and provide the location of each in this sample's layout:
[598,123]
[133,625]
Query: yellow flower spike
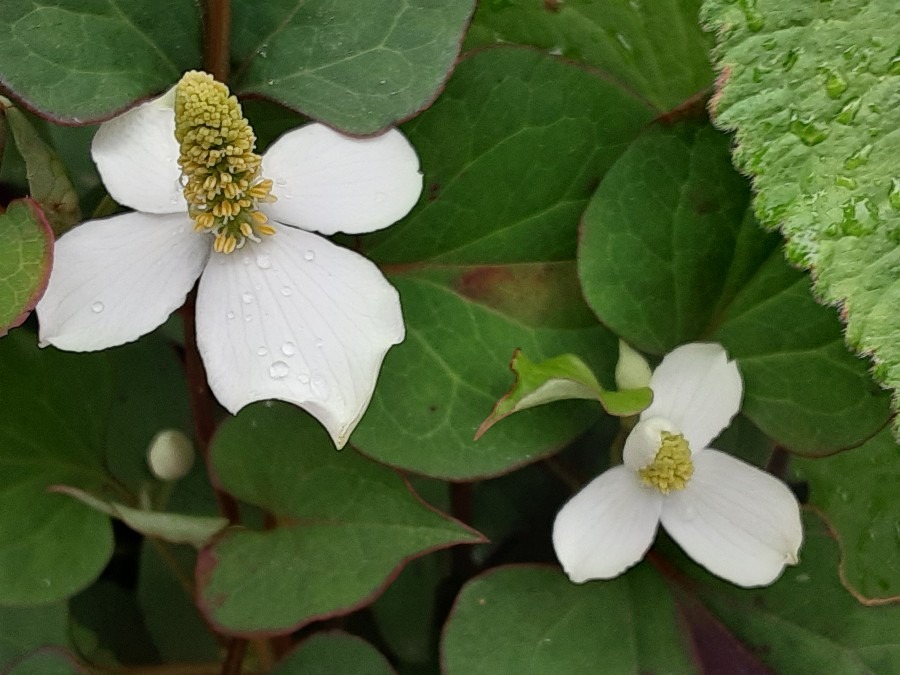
[672,468]
[223,184]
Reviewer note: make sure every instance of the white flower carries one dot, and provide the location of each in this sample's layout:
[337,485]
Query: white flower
[289,316]
[739,522]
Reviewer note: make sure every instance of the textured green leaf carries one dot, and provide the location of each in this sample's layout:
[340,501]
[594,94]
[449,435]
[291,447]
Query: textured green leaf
[176,528]
[857,492]
[654,47]
[807,623]
[82,61]
[334,652]
[347,525]
[482,272]
[25,628]
[669,254]
[50,546]
[48,181]
[26,253]
[48,661]
[811,90]
[533,620]
[360,67]
[560,378]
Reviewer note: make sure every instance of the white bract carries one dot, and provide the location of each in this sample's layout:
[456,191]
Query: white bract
[281,313]
[739,522]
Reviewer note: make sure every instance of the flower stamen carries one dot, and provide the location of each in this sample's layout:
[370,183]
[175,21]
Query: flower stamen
[222,183]
[672,468]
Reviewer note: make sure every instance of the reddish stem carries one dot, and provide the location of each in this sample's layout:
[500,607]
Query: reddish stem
[216,43]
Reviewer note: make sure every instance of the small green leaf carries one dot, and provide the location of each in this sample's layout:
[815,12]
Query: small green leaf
[176,528]
[26,254]
[532,621]
[26,628]
[346,526]
[856,491]
[560,378]
[811,90]
[331,653]
[48,661]
[82,61]
[48,181]
[360,67]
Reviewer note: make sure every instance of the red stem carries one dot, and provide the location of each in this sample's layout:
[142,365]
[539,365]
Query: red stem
[216,56]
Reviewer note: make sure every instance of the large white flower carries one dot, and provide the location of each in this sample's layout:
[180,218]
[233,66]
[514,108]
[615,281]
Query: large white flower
[739,522]
[289,316]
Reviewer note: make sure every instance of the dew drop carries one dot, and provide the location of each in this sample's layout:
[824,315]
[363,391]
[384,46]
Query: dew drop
[790,59]
[320,343]
[860,217]
[286,291]
[556,51]
[288,349]
[248,318]
[310,255]
[802,578]
[845,182]
[288,195]
[263,51]
[97,307]
[263,262]
[320,388]
[755,18]
[858,158]
[808,130]
[278,370]
[262,351]
[303,379]
[230,315]
[623,42]
[380,197]
[270,82]
[835,84]
[847,114]
[688,513]
[280,182]
[247,297]
[894,194]
[382,82]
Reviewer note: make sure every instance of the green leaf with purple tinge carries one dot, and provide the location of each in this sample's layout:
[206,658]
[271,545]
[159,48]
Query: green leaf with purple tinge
[357,66]
[345,526]
[334,652]
[82,61]
[812,91]
[26,254]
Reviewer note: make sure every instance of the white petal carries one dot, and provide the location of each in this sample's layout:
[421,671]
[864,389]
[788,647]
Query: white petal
[698,389]
[299,319]
[739,522]
[327,182]
[116,279]
[607,527]
[137,156]
[644,442]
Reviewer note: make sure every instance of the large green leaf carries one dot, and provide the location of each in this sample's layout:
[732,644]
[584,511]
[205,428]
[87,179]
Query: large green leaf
[482,272]
[857,492]
[26,253]
[346,525]
[80,61]
[669,254]
[26,628]
[654,47]
[360,67]
[53,410]
[331,653]
[807,623]
[812,92]
[533,620]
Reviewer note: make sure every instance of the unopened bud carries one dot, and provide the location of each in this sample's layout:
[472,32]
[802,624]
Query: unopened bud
[632,370]
[171,455]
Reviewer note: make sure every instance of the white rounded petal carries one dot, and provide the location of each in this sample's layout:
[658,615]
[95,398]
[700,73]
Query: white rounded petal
[739,522]
[299,319]
[118,278]
[327,182]
[607,527]
[698,389]
[644,441]
[137,156]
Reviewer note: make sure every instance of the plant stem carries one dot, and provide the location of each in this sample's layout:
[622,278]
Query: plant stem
[235,658]
[216,43]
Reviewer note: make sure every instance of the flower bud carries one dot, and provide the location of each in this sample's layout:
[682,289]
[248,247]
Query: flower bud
[632,370]
[171,455]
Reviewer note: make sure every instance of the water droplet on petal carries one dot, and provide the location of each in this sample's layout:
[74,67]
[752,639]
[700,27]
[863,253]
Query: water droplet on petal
[248,318]
[320,343]
[230,315]
[280,182]
[310,255]
[263,262]
[320,388]
[380,197]
[286,291]
[262,351]
[97,307]
[247,298]
[288,349]
[278,370]
[688,512]
[303,379]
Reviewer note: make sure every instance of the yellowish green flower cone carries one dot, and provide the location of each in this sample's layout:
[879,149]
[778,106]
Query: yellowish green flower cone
[672,468]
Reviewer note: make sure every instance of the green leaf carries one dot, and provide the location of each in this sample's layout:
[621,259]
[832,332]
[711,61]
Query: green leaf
[812,92]
[48,181]
[25,628]
[81,61]
[482,272]
[26,253]
[807,623]
[50,546]
[857,492]
[176,528]
[346,526]
[48,661]
[558,379]
[669,255]
[654,47]
[533,620]
[360,67]
[334,652]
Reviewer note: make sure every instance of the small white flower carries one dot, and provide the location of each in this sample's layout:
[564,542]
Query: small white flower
[289,316]
[739,522]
